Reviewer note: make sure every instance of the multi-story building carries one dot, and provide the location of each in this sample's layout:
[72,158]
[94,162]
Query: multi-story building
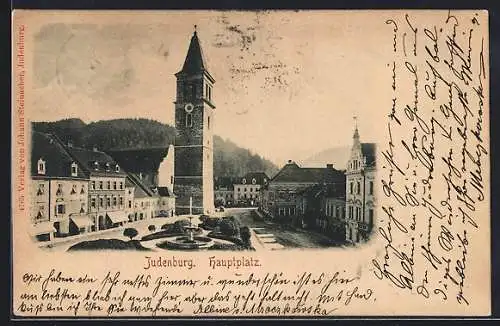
[281,196]
[360,190]
[247,189]
[58,190]
[322,207]
[106,195]
[224,191]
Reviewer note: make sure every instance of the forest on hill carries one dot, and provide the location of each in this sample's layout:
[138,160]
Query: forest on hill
[229,158]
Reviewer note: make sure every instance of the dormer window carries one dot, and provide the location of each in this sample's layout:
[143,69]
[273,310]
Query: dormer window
[74,169]
[117,168]
[41,166]
[107,167]
[244,181]
[254,181]
[96,165]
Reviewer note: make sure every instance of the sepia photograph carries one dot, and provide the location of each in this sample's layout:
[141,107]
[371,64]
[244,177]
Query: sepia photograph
[204,167]
[260,163]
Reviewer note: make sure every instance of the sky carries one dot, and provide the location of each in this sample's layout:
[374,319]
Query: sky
[287,83]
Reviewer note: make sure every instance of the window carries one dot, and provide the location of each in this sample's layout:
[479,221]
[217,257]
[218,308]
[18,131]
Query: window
[101,202]
[92,202]
[121,185]
[41,166]
[370,215]
[114,185]
[172,179]
[251,189]
[92,185]
[245,190]
[101,185]
[208,123]
[114,200]
[358,188]
[59,191]
[350,188]
[206,90]
[371,188]
[108,201]
[117,168]
[189,120]
[350,212]
[129,204]
[109,185]
[60,209]
[82,208]
[41,189]
[41,210]
[74,169]
[193,91]
[82,191]
[254,181]
[73,190]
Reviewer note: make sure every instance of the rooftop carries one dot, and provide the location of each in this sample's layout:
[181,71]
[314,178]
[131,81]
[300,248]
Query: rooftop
[292,172]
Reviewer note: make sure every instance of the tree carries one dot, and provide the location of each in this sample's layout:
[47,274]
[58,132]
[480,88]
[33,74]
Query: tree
[130,233]
[245,235]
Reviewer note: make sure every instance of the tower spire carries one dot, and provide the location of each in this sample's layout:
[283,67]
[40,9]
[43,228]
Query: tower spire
[356,133]
[195,61]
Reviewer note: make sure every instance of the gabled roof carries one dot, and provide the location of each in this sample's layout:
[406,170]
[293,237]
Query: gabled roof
[195,61]
[95,162]
[335,190]
[291,172]
[164,192]
[260,177]
[141,190]
[369,152]
[57,160]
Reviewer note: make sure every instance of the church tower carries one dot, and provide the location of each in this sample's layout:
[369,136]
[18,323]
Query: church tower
[194,118]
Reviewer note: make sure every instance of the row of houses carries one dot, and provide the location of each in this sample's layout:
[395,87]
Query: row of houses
[76,190]
[340,203]
[240,191]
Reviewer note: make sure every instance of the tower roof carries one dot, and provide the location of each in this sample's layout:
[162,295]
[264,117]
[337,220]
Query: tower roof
[195,61]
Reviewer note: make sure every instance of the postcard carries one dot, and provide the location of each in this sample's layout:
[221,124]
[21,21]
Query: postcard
[234,164]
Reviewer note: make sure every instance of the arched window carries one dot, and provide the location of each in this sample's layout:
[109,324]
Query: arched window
[74,169]
[189,120]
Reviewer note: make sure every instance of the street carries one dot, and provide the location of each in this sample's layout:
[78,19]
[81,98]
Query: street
[265,235]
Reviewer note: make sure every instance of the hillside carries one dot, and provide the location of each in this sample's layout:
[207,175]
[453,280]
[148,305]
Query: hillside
[338,156]
[229,158]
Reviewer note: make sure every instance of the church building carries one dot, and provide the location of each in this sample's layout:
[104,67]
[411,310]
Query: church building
[194,118]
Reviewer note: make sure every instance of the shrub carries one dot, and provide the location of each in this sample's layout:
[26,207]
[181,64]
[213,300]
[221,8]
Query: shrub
[228,227]
[130,233]
[151,228]
[245,235]
[180,225]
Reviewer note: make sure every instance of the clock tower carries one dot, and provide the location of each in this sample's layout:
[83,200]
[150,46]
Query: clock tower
[194,118]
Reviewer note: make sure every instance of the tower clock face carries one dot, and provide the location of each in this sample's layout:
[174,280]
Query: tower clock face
[189,107]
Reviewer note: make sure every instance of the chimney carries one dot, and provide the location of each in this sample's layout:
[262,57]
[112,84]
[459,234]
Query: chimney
[94,149]
[329,166]
[290,161]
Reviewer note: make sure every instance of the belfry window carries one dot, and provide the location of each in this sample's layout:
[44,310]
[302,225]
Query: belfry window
[189,120]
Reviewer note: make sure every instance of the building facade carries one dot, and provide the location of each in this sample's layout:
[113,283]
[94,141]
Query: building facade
[224,191]
[194,119]
[360,190]
[247,189]
[282,196]
[106,195]
[58,190]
